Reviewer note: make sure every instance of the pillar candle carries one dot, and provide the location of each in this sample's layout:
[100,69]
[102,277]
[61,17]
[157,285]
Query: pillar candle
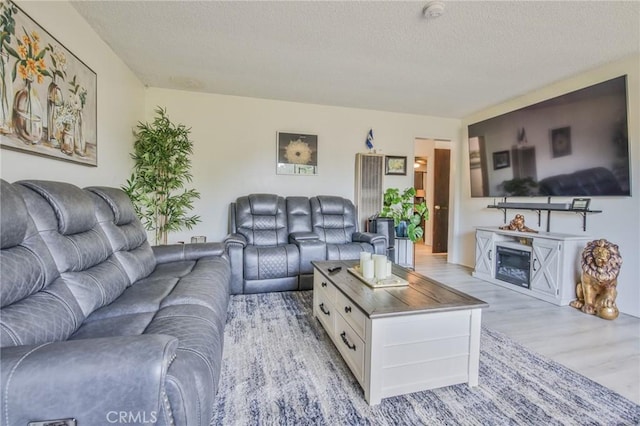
[364,256]
[367,269]
[380,266]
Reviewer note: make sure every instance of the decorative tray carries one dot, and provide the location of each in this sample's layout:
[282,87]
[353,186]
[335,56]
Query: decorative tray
[391,281]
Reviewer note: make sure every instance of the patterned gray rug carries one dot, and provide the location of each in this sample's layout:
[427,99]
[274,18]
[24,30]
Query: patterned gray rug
[280,368]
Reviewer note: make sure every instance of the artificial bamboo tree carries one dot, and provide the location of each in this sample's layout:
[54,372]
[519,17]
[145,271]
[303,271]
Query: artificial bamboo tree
[161,169]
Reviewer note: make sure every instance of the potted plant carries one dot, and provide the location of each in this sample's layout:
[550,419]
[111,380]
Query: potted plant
[407,215]
[161,169]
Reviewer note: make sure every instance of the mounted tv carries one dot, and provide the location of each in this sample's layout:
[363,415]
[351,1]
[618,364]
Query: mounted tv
[572,145]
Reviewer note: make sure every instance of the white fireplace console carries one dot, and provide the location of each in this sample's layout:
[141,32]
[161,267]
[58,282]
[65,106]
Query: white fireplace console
[554,262]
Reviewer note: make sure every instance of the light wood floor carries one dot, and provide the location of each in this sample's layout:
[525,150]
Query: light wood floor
[607,352]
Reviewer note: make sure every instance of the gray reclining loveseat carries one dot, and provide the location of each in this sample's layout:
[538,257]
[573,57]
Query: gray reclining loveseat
[97,325]
[273,240]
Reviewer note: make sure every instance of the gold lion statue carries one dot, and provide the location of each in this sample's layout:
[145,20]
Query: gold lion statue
[596,291]
[517,224]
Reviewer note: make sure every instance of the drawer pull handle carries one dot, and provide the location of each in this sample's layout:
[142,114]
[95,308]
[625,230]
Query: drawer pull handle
[323,309]
[323,284]
[347,309]
[346,342]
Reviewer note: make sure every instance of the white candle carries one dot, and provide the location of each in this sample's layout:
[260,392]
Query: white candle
[388,268]
[367,269]
[364,256]
[380,266]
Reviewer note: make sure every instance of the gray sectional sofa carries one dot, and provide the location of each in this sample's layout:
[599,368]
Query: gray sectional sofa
[272,240]
[97,325]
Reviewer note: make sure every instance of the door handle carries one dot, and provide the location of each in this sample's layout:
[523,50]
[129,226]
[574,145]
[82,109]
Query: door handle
[436,207]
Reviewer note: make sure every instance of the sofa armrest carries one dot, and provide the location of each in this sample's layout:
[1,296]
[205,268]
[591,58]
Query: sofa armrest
[234,245]
[235,239]
[88,380]
[295,237]
[368,237]
[310,248]
[177,252]
[378,241]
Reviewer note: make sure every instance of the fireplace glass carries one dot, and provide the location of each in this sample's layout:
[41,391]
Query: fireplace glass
[513,265]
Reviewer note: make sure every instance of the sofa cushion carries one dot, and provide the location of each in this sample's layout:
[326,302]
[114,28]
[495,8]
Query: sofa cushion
[298,215]
[83,257]
[262,219]
[348,251]
[37,306]
[262,263]
[13,216]
[333,219]
[124,231]
[71,206]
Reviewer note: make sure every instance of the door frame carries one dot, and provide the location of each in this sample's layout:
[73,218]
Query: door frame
[453,185]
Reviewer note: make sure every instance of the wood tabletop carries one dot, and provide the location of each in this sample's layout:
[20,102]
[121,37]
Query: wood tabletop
[421,295]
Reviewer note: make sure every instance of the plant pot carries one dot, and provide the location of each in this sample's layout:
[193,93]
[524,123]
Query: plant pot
[401,229]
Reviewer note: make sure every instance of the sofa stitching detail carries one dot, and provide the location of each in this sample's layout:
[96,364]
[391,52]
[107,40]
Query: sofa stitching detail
[13,370]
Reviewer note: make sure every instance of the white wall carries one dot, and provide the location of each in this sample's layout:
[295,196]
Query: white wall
[235,147]
[619,221]
[120,105]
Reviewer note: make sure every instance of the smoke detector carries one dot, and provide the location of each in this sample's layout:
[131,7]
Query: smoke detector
[433,9]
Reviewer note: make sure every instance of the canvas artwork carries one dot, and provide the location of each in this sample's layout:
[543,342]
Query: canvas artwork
[47,94]
[297,154]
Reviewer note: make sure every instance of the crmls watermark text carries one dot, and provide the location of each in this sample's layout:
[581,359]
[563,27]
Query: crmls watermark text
[131,417]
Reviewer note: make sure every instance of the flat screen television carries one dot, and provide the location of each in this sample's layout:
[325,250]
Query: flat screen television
[575,144]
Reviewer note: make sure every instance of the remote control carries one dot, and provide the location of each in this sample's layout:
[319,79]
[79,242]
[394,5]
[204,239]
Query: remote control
[334,269]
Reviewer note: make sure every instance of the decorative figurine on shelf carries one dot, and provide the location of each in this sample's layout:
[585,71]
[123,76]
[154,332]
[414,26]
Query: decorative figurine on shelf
[517,224]
[596,290]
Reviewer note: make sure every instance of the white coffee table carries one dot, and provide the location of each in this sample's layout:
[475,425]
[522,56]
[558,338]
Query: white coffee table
[399,340]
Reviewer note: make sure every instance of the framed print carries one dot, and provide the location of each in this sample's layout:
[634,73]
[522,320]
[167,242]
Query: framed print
[580,203]
[394,165]
[48,95]
[561,142]
[297,154]
[501,160]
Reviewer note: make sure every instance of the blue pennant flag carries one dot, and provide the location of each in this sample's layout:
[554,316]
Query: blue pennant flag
[370,139]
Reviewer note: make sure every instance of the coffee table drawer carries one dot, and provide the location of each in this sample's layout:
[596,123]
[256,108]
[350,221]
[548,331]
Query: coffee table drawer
[324,285]
[324,311]
[351,313]
[350,346]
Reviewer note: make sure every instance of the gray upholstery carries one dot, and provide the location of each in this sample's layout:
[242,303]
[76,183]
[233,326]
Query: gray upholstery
[260,251]
[94,320]
[272,241]
[334,220]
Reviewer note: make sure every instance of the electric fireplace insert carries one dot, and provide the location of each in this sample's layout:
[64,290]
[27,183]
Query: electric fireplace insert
[513,265]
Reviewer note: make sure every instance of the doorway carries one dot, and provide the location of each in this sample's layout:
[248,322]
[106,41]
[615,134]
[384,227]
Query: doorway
[432,172]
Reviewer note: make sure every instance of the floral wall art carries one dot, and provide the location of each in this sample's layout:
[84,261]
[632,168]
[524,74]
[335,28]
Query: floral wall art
[48,96]
[297,154]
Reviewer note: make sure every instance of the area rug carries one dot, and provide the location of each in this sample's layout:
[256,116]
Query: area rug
[280,368]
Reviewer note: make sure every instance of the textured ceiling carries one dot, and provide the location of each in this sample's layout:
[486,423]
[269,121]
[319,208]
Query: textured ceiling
[375,55]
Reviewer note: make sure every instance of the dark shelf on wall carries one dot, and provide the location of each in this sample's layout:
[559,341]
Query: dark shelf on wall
[543,207]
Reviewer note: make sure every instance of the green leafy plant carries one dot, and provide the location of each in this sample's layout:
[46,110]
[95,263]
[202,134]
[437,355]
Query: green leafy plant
[402,208]
[161,169]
